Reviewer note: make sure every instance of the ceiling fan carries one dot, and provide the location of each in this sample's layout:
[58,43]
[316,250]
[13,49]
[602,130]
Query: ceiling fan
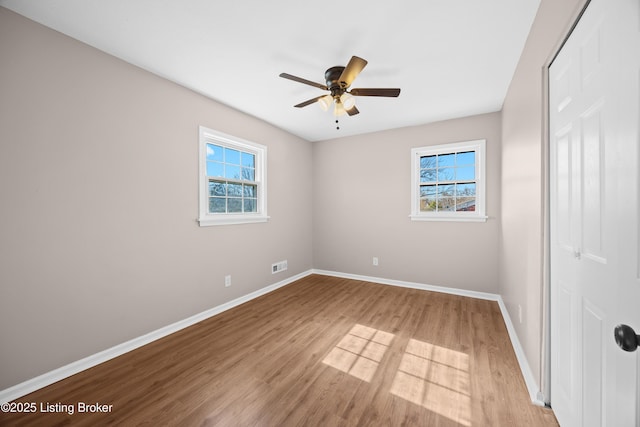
[339,80]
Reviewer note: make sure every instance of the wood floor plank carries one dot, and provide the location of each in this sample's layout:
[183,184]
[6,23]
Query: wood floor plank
[322,351]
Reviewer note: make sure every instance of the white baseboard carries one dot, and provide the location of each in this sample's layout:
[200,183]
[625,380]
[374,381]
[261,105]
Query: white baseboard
[73,368]
[63,372]
[527,374]
[412,285]
[535,394]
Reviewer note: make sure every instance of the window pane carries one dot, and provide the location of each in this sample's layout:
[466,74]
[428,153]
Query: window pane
[217,205]
[445,191]
[427,190]
[231,156]
[250,205]
[466,158]
[446,174]
[215,169]
[466,173]
[214,152]
[427,162]
[428,175]
[465,190]
[249,191]
[465,197]
[447,204]
[446,160]
[232,172]
[217,188]
[248,160]
[427,198]
[234,205]
[234,190]
[446,199]
[428,205]
[466,204]
[248,174]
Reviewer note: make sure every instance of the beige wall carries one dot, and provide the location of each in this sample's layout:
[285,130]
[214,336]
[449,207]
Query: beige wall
[361,207]
[522,229]
[98,201]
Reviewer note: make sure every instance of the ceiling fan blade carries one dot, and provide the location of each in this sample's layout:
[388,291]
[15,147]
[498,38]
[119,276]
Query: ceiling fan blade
[309,102]
[304,81]
[375,92]
[352,70]
[352,111]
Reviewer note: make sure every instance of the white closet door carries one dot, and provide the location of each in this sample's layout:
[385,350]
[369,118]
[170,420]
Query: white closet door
[594,209]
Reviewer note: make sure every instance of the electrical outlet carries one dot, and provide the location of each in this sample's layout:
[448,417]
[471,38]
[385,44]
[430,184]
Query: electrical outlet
[278,267]
[520,312]
[375,260]
[227,280]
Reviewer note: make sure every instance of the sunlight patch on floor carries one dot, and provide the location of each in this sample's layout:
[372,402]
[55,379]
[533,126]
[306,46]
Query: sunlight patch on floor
[436,378]
[360,351]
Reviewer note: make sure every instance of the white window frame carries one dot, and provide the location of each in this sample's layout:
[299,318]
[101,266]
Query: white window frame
[205,218]
[479,146]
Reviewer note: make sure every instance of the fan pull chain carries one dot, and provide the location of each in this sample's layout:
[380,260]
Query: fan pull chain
[337,125]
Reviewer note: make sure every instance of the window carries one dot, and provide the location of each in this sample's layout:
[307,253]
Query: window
[447,182]
[232,180]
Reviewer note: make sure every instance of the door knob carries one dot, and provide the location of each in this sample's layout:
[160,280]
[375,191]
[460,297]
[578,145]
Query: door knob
[626,337]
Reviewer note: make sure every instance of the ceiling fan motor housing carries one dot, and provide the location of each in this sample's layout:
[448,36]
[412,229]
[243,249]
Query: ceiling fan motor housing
[332,77]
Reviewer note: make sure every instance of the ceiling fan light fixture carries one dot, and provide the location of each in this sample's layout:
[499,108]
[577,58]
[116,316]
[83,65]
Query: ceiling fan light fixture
[348,101]
[339,109]
[325,102]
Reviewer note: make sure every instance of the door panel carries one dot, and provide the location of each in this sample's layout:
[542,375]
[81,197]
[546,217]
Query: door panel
[564,377]
[594,368]
[563,188]
[593,185]
[590,54]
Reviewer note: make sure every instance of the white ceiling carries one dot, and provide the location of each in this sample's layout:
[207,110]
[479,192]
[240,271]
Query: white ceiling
[451,58]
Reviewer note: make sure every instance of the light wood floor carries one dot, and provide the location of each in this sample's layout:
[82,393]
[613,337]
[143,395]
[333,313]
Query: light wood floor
[322,351]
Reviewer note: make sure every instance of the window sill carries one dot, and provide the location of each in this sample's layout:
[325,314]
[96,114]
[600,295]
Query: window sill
[457,218]
[231,219]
